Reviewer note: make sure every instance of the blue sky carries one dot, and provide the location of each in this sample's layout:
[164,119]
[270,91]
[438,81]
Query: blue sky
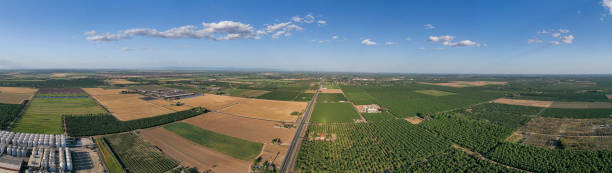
[548,37]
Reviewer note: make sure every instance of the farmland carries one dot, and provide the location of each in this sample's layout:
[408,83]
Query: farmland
[267,109]
[334,113]
[44,115]
[510,116]
[434,92]
[15,95]
[128,107]
[192,154]
[403,101]
[212,102]
[138,156]
[577,113]
[235,147]
[330,97]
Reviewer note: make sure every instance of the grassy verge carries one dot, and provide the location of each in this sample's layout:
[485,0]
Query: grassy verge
[109,159]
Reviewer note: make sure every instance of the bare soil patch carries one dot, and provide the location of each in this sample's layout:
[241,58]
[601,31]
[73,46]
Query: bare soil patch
[191,154]
[574,133]
[461,84]
[127,107]
[16,95]
[267,109]
[211,101]
[331,90]
[414,120]
[274,153]
[609,96]
[310,91]
[534,103]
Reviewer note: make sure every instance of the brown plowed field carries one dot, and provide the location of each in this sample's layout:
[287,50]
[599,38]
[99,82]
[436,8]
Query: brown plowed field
[16,95]
[461,84]
[249,129]
[212,102]
[414,120]
[267,109]
[191,154]
[100,91]
[127,107]
[121,81]
[534,103]
[244,128]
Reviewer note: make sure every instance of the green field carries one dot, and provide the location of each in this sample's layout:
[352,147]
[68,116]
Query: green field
[232,146]
[403,100]
[577,113]
[137,155]
[434,92]
[109,159]
[330,97]
[334,113]
[510,116]
[370,117]
[44,115]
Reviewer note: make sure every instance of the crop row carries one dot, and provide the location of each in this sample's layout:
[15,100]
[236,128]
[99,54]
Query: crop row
[138,156]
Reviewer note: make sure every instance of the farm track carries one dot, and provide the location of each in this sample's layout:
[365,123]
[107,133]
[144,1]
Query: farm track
[292,153]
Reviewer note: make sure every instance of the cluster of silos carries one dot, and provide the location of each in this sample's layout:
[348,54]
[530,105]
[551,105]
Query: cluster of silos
[32,140]
[15,151]
[44,159]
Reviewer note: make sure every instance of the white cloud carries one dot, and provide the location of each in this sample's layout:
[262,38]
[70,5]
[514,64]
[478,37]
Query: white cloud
[309,18]
[446,40]
[92,32]
[390,43]
[368,42]
[335,37]
[322,22]
[556,34]
[607,4]
[224,30]
[567,39]
[282,29]
[543,32]
[564,31]
[534,40]
[429,26]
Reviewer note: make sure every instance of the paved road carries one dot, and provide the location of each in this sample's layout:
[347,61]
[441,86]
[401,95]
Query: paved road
[289,162]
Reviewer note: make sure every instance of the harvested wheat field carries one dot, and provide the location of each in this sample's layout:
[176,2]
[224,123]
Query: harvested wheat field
[211,101]
[461,84]
[331,91]
[120,82]
[267,109]
[59,75]
[192,154]
[100,91]
[534,103]
[274,153]
[16,95]
[414,120]
[127,107]
[245,128]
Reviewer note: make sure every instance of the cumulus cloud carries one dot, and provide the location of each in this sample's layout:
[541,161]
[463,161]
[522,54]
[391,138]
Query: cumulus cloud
[322,22]
[446,40]
[368,42]
[429,26]
[534,40]
[607,4]
[281,29]
[567,39]
[224,30]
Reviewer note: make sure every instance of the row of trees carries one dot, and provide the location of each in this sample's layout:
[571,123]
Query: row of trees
[89,125]
[8,114]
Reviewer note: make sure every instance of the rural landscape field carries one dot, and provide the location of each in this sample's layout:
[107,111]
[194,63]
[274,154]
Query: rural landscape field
[305,86]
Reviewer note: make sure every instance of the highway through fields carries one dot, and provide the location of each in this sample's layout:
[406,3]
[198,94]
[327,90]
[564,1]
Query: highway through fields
[289,162]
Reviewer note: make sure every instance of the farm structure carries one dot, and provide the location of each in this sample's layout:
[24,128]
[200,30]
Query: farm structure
[372,108]
[127,107]
[16,95]
[168,94]
[48,152]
